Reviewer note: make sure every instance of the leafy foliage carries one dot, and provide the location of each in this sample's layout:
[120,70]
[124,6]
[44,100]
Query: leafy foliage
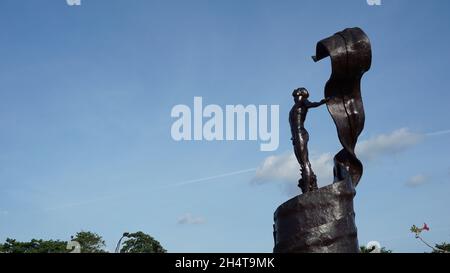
[140,242]
[444,247]
[34,246]
[90,242]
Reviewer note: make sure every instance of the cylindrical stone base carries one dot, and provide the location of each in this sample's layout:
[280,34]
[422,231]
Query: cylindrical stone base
[321,221]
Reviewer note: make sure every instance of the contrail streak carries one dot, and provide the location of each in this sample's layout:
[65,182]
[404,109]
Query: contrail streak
[195,181]
[123,194]
[198,180]
[82,203]
[438,133]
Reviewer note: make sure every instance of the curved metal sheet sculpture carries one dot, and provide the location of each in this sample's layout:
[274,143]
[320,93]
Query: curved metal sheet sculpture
[351,56]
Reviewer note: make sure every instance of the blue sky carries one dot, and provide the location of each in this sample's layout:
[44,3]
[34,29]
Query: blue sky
[86,94]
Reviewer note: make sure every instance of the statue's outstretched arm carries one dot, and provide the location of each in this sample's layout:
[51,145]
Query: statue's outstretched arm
[317,104]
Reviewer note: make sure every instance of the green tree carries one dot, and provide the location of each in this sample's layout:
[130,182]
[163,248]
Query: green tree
[444,247]
[34,246]
[139,242]
[90,242]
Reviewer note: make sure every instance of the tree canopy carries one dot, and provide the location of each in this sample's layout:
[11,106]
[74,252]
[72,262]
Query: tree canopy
[33,246]
[444,247]
[140,242]
[89,242]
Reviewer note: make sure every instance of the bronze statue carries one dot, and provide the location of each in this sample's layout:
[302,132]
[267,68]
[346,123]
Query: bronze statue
[300,137]
[351,56]
[323,220]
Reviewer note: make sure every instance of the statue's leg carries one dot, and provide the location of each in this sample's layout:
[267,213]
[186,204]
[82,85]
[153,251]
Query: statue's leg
[302,183]
[307,172]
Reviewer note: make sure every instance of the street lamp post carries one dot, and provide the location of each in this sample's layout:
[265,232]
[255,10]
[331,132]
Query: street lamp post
[120,241]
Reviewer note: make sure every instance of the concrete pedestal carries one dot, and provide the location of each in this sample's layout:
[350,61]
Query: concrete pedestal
[321,221]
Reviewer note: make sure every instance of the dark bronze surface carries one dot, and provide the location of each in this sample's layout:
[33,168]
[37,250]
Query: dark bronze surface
[323,220]
[351,56]
[300,137]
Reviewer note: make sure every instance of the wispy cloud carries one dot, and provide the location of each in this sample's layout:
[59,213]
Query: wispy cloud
[284,169]
[439,133]
[80,203]
[387,144]
[188,182]
[189,219]
[3,212]
[416,181]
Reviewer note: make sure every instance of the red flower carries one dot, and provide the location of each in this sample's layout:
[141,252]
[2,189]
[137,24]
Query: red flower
[425,227]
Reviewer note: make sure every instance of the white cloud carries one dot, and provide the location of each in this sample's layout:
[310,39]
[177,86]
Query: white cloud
[417,180]
[189,219]
[384,144]
[3,212]
[285,170]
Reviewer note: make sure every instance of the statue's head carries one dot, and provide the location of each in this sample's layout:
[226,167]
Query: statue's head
[300,94]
